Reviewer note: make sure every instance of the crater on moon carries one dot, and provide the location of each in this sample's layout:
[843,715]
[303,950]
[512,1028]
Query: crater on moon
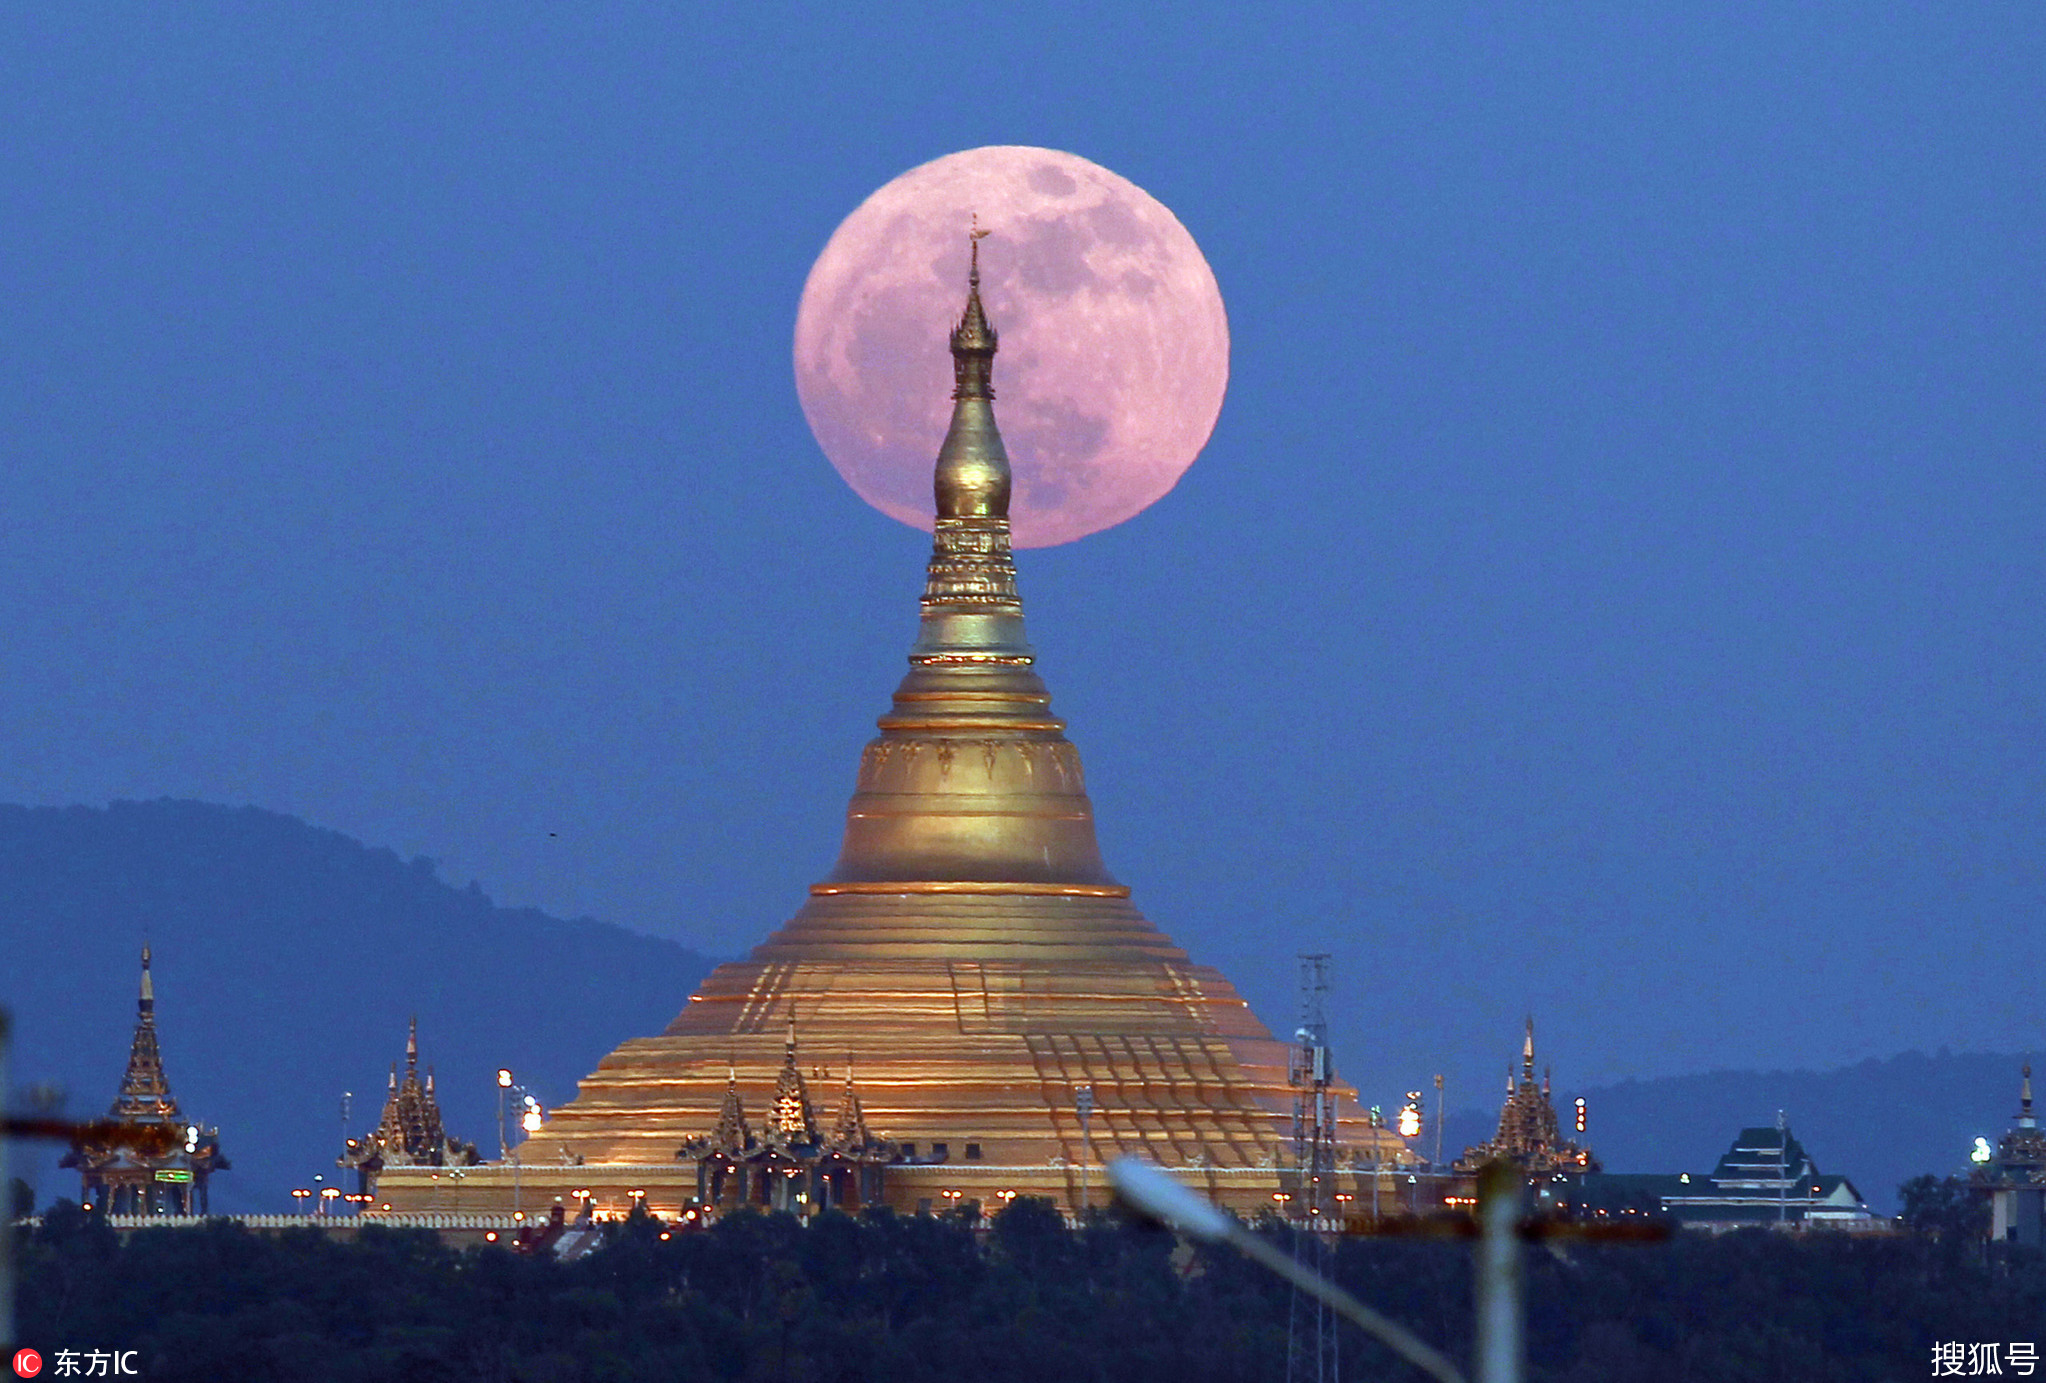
[1114,344]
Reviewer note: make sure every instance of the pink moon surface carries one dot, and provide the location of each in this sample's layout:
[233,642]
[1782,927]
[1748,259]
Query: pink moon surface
[1114,346]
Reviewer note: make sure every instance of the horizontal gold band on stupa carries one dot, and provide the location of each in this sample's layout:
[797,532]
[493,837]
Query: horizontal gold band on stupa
[1006,888]
[969,722]
[996,698]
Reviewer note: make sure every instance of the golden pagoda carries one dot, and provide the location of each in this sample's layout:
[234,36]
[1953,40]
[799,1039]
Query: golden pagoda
[1529,1135]
[969,950]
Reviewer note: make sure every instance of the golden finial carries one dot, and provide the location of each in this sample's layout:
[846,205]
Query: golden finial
[974,235]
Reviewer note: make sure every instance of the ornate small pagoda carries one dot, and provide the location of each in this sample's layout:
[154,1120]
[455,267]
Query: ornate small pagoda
[145,1158]
[2014,1178]
[1529,1135]
[789,1165]
[410,1134]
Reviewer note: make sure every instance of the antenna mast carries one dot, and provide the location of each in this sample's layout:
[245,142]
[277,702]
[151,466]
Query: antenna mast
[1311,1343]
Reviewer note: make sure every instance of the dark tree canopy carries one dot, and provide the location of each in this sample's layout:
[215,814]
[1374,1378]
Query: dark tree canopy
[909,1299]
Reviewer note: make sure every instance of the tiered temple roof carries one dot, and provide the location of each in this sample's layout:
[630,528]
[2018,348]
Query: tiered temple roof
[410,1133]
[147,1159]
[1529,1135]
[789,1164]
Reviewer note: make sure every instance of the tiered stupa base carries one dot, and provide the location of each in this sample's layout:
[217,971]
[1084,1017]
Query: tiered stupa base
[973,1022]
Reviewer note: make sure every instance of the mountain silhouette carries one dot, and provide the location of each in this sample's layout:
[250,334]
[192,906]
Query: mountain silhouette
[288,960]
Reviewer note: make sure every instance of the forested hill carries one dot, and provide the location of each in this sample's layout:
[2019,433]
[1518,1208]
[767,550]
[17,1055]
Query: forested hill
[287,961]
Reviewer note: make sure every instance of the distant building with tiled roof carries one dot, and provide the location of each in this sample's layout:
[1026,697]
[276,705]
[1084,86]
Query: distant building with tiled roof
[1765,1177]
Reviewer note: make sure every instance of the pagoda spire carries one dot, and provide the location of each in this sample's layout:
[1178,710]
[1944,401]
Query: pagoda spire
[1527,1051]
[732,1135]
[145,1091]
[2025,1116]
[410,1132]
[792,1121]
[850,1133]
[970,560]
[972,786]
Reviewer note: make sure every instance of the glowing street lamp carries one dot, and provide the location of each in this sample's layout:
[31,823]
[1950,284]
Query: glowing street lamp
[301,1194]
[529,1121]
[1981,1153]
[504,1083]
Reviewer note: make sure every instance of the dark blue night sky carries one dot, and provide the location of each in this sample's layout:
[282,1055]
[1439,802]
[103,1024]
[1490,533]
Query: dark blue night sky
[1613,590]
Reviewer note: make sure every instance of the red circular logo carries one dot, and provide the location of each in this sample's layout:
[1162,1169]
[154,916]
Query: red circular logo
[28,1363]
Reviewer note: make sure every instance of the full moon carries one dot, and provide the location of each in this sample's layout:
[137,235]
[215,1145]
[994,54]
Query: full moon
[1114,347]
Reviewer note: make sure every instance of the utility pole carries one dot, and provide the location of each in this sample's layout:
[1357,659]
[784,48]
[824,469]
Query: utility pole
[1782,1168]
[1501,1276]
[1311,1341]
[1438,1126]
[504,1080]
[7,1209]
[1083,1103]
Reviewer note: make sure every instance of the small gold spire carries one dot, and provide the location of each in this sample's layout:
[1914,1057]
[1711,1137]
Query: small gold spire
[972,480]
[974,235]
